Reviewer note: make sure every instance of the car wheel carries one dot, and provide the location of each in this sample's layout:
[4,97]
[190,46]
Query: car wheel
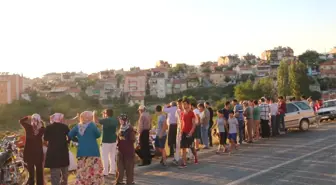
[304,125]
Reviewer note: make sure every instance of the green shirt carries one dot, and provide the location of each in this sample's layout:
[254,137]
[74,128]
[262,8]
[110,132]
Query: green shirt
[109,129]
[256,113]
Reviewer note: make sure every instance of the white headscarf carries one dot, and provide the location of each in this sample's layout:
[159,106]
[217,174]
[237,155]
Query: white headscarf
[57,118]
[36,123]
[85,118]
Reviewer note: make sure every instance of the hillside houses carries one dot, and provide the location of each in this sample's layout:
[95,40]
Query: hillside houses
[165,79]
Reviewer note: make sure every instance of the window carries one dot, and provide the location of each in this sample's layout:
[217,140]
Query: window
[329,104]
[291,108]
[302,105]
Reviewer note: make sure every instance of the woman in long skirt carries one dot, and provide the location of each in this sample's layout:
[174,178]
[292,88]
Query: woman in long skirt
[89,165]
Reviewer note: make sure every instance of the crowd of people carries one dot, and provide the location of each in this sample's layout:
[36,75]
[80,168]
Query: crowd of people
[188,127]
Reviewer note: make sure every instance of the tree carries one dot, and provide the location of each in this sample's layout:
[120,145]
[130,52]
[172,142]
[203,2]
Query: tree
[298,79]
[283,81]
[119,78]
[244,91]
[227,79]
[206,70]
[310,57]
[219,68]
[264,87]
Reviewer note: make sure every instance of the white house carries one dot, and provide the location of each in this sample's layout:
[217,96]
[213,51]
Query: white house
[157,86]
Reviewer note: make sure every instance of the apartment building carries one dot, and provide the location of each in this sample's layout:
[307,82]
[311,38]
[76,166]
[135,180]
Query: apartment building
[277,54]
[163,64]
[135,86]
[228,60]
[263,70]
[11,87]
[328,69]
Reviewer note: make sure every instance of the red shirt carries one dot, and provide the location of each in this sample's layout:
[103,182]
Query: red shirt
[282,107]
[187,122]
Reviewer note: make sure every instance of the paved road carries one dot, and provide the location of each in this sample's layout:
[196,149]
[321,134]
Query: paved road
[296,158]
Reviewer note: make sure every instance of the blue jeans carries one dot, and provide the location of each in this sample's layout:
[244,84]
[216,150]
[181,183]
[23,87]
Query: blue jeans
[205,135]
[241,131]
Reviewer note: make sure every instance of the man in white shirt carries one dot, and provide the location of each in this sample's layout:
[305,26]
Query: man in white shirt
[177,156]
[274,112]
[170,110]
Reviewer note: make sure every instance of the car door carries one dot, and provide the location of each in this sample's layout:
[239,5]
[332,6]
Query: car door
[292,116]
[305,110]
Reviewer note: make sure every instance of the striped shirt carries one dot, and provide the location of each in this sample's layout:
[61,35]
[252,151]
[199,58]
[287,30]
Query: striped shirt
[264,111]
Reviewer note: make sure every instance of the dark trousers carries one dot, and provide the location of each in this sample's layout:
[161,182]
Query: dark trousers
[35,168]
[144,147]
[125,164]
[210,133]
[172,132]
[275,126]
[281,121]
[241,131]
[265,129]
[55,176]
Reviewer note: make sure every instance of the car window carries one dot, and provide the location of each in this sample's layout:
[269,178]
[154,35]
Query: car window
[291,108]
[329,104]
[302,105]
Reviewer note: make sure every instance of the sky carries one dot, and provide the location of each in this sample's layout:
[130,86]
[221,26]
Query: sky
[38,37]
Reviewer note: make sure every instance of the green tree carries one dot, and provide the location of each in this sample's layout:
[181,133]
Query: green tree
[298,79]
[309,57]
[283,79]
[244,91]
[206,70]
[227,79]
[264,87]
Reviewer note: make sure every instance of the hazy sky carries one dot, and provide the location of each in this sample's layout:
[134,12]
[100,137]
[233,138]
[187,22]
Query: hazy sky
[37,37]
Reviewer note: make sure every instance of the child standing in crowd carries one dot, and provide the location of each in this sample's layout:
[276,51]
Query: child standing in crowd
[233,127]
[222,128]
[161,134]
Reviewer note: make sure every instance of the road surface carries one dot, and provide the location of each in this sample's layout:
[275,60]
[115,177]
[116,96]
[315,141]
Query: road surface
[298,158]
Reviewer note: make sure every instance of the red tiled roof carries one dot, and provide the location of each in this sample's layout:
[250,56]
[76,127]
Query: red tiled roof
[159,69]
[328,71]
[136,74]
[329,62]
[229,72]
[179,81]
[74,90]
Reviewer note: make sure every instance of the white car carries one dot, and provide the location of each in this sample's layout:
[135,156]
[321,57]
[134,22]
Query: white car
[328,110]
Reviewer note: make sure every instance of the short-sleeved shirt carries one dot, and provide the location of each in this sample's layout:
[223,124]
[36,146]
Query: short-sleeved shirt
[187,118]
[109,129]
[161,122]
[171,114]
[248,112]
[233,122]
[221,124]
[256,113]
[239,109]
[226,113]
[204,117]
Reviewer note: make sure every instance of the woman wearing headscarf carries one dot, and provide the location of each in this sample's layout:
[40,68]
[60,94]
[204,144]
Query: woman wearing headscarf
[126,153]
[57,155]
[89,165]
[33,152]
